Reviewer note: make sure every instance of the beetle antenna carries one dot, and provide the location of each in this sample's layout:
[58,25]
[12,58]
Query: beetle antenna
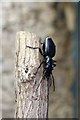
[41,42]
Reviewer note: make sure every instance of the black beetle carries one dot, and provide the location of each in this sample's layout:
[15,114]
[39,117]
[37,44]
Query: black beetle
[49,50]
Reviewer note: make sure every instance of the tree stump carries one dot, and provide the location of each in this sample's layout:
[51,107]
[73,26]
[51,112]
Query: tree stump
[31,90]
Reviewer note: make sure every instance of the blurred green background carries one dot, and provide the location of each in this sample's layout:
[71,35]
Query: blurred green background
[55,19]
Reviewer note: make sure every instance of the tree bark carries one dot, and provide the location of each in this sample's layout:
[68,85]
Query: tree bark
[32,91]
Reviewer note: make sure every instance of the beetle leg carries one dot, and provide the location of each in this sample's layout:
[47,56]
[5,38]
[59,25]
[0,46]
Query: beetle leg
[53,82]
[36,48]
[39,82]
[50,81]
[39,67]
[54,63]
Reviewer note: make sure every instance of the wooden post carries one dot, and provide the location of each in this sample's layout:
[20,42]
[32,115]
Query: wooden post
[31,93]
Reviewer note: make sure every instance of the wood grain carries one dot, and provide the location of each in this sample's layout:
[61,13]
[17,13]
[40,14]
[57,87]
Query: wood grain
[31,90]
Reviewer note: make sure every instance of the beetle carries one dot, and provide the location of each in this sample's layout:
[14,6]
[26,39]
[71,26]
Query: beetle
[49,50]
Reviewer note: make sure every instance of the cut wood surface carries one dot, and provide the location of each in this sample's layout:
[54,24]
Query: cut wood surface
[31,90]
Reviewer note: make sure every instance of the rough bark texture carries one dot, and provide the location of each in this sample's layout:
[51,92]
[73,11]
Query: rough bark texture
[31,89]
